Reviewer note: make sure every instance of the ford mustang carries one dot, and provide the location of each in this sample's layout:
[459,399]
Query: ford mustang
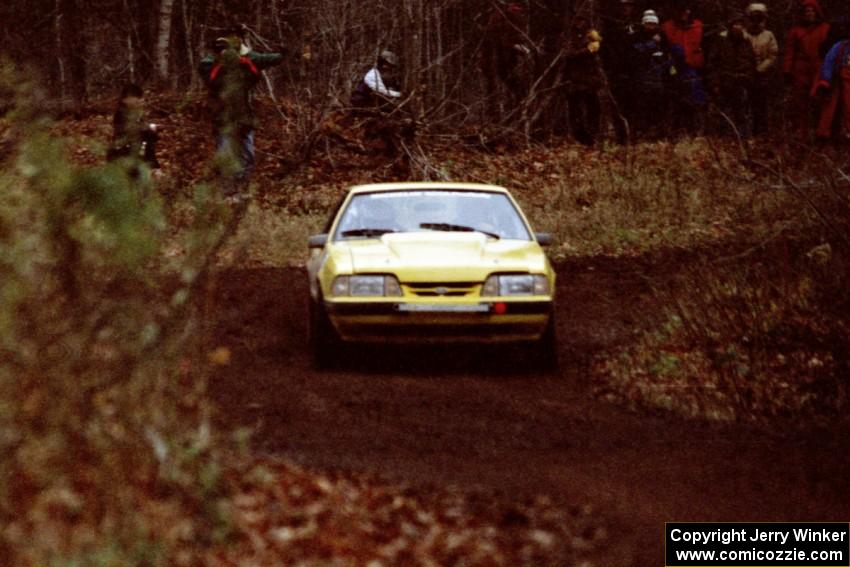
[430,262]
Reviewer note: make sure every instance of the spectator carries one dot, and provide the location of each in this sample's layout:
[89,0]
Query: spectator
[767,52]
[231,76]
[583,78]
[504,47]
[132,136]
[686,32]
[837,29]
[731,71]
[834,83]
[619,35]
[375,99]
[802,64]
[378,86]
[652,71]
[689,99]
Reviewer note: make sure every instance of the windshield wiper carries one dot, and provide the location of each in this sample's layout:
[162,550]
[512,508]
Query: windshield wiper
[447,227]
[367,232]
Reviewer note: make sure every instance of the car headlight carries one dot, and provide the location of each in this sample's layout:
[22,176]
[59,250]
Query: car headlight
[521,284]
[366,286]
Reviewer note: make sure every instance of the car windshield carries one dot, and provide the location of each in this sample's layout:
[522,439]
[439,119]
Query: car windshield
[370,215]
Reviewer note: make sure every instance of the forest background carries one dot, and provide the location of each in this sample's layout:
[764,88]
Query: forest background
[85,48]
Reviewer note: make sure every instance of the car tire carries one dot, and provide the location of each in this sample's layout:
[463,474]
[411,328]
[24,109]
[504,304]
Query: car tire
[323,340]
[545,350]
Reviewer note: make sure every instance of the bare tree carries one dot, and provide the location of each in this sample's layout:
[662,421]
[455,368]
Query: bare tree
[166,16]
[71,46]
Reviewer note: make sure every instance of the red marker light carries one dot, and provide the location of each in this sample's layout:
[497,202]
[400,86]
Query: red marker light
[500,308]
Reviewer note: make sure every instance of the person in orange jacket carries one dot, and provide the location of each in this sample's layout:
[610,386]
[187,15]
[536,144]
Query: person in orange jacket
[802,64]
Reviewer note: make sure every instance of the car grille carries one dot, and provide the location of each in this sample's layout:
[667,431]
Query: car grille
[470,332]
[451,289]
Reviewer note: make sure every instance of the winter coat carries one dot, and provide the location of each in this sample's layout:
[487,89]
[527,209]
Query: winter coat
[687,82]
[582,71]
[837,60]
[651,64]
[732,63]
[802,52]
[689,36]
[364,94]
[231,78]
[766,49]
[835,75]
[128,127]
[132,137]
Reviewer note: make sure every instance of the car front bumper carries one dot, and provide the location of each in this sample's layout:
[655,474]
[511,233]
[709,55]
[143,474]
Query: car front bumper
[408,322]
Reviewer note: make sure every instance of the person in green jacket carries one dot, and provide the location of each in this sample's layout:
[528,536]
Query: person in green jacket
[231,75]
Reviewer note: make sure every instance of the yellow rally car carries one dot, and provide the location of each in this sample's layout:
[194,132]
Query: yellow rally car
[430,262]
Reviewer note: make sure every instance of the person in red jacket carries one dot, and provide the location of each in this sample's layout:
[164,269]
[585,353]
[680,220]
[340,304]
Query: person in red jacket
[687,31]
[802,64]
[684,34]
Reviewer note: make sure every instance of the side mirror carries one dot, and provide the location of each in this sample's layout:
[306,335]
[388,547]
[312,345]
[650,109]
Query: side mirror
[544,238]
[317,241]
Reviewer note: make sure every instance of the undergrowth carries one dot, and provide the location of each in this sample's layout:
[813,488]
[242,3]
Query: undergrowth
[761,340]
[103,410]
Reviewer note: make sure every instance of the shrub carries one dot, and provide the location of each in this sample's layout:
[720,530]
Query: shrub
[102,415]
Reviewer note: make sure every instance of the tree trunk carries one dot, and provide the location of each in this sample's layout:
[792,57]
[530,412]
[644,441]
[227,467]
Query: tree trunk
[60,57]
[72,49]
[166,12]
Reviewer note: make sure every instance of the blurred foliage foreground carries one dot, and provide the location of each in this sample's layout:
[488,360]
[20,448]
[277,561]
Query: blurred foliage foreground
[98,403]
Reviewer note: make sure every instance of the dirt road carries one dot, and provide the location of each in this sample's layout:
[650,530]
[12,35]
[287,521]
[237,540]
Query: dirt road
[478,420]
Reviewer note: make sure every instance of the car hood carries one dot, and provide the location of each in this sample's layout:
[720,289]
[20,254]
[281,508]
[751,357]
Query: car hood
[442,256]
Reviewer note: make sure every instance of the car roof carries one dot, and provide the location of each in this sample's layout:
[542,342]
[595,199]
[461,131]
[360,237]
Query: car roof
[426,185]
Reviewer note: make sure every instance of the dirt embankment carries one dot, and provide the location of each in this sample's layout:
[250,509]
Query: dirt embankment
[477,419]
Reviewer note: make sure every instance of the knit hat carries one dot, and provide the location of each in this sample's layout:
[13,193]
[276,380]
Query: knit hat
[756,8]
[649,17]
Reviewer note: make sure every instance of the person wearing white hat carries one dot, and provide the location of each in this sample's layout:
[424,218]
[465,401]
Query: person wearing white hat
[373,90]
[766,49]
[651,70]
[375,99]
[650,17]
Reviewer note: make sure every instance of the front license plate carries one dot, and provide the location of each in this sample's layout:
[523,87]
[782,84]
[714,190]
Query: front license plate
[419,308]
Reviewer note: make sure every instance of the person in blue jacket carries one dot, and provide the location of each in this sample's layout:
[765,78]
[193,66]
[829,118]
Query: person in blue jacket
[833,86]
[651,72]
